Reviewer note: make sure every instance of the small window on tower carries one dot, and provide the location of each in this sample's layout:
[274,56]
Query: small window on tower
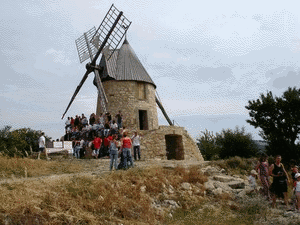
[141,91]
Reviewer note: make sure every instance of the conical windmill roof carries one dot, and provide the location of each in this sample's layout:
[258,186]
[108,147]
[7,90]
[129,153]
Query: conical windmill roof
[124,65]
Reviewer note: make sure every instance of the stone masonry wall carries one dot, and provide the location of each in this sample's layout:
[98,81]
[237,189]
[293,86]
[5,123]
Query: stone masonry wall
[153,143]
[123,95]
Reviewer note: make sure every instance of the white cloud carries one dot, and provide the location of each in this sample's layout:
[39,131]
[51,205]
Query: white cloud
[58,56]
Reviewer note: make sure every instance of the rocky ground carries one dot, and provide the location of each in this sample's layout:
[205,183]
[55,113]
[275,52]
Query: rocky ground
[238,187]
[219,183]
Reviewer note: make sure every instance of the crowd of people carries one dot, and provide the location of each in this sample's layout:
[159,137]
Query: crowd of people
[103,136]
[281,180]
[81,126]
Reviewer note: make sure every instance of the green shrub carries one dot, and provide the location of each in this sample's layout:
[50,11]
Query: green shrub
[19,142]
[207,145]
[228,143]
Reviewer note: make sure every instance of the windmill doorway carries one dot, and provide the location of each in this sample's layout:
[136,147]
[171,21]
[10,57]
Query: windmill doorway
[174,147]
[143,119]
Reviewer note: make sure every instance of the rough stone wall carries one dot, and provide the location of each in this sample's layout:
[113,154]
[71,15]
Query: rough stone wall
[123,95]
[153,143]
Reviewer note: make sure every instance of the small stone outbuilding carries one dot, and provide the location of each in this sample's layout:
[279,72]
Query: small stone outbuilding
[129,88]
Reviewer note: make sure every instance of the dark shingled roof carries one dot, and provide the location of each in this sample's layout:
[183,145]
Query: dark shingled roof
[124,65]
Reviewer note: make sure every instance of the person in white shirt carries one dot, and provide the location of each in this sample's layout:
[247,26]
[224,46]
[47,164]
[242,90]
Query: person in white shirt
[252,180]
[114,127]
[96,128]
[42,143]
[68,124]
[84,121]
[101,119]
[136,145]
[297,190]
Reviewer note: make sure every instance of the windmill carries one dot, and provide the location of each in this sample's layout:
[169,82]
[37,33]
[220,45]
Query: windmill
[103,40]
[124,84]
[94,42]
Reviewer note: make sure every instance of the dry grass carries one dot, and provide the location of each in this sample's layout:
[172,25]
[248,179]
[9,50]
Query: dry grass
[120,197]
[236,165]
[25,167]
[110,199]
[219,211]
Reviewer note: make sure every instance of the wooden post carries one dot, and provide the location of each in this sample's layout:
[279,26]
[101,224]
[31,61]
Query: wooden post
[163,111]
[25,170]
[30,150]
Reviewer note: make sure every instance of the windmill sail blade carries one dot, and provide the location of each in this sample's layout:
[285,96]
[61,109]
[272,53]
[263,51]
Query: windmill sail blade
[114,37]
[76,91]
[91,43]
[101,92]
[84,51]
[93,61]
[96,42]
[163,111]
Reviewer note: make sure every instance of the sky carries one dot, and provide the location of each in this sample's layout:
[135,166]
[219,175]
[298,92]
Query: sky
[207,58]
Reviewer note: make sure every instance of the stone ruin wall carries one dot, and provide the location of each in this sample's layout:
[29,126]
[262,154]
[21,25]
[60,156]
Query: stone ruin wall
[123,95]
[153,143]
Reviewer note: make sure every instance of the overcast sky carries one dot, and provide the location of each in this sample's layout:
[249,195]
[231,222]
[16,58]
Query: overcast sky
[207,58]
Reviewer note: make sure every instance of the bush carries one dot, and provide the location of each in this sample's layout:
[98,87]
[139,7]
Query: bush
[228,143]
[19,142]
[207,145]
[236,143]
[193,176]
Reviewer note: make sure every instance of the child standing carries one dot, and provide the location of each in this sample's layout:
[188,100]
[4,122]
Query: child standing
[294,172]
[252,181]
[297,190]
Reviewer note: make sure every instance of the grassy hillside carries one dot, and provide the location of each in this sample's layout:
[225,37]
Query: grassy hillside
[142,195]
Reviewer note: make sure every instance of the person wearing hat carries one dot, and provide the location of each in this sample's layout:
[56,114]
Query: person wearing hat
[252,180]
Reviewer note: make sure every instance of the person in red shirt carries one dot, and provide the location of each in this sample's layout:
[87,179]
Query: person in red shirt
[106,143]
[126,150]
[72,122]
[97,145]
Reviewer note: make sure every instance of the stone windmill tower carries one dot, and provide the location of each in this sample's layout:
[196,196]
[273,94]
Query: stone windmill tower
[124,84]
[129,88]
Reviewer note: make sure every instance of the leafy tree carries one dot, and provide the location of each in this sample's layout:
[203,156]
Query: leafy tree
[19,142]
[227,143]
[279,120]
[236,143]
[207,145]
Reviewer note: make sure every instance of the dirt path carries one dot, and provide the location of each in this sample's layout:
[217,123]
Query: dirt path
[98,167]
